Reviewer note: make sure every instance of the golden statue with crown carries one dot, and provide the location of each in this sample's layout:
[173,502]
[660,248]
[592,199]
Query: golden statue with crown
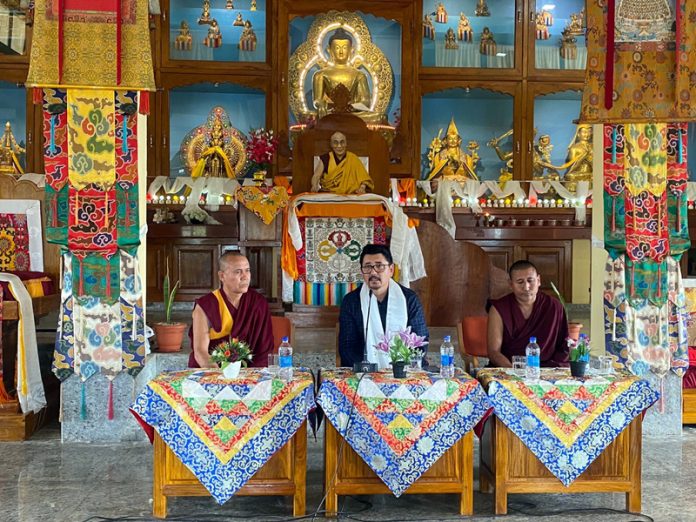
[448,160]
[10,151]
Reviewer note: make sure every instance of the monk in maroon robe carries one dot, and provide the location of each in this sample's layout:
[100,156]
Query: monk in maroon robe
[232,311]
[526,313]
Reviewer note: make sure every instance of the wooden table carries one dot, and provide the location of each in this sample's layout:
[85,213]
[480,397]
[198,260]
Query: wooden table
[346,473]
[283,475]
[508,466]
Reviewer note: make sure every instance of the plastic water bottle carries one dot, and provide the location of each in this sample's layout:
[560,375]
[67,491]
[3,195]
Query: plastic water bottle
[447,358]
[285,356]
[533,353]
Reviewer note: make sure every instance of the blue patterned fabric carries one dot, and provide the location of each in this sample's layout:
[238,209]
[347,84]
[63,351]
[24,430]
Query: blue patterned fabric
[225,430]
[400,427]
[567,422]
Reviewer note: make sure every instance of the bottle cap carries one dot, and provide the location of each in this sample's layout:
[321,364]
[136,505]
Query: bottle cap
[446,338]
[532,339]
[285,339]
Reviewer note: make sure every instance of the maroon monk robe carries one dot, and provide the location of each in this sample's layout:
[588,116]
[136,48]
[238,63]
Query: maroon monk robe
[547,322]
[251,323]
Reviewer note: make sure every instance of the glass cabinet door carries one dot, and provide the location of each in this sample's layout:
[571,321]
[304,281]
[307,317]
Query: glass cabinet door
[561,149]
[558,33]
[206,115]
[469,33]
[13,30]
[467,133]
[217,30]
[13,129]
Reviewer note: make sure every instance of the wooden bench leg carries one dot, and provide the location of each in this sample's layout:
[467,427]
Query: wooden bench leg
[330,468]
[299,499]
[500,436]
[466,501]
[633,500]
[159,500]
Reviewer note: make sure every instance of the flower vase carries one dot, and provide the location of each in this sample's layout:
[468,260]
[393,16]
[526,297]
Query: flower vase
[399,369]
[231,369]
[578,368]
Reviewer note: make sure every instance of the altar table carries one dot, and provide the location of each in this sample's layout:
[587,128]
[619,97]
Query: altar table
[224,437]
[563,434]
[387,435]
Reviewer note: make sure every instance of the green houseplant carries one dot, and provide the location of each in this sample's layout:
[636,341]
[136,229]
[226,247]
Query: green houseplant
[574,327]
[169,335]
[579,355]
[402,347]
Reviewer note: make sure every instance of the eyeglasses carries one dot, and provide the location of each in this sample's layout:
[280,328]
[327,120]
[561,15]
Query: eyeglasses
[378,267]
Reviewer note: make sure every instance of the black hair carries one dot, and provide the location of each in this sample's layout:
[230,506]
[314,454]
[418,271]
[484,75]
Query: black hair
[341,34]
[373,250]
[522,264]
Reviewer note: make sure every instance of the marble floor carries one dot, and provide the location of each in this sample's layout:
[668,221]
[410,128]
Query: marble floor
[44,480]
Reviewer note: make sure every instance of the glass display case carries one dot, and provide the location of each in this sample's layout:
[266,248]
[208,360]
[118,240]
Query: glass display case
[469,33]
[13,30]
[193,111]
[480,121]
[217,30]
[559,35]
[13,128]
[367,57]
[561,149]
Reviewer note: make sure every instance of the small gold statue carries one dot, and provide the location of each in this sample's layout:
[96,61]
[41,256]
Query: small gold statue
[579,159]
[465,31]
[341,72]
[216,162]
[205,15]
[505,157]
[229,4]
[341,171]
[184,40]
[428,27]
[10,152]
[214,38]
[451,39]
[441,14]
[482,8]
[448,160]
[253,5]
[576,24]
[247,40]
[542,30]
[542,168]
[569,46]
[487,45]
[239,21]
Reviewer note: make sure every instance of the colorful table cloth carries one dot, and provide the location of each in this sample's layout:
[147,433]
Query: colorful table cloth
[567,422]
[400,427]
[224,430]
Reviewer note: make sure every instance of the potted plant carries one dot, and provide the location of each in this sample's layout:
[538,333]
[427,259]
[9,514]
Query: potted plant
[579,355]
[169,335]
[402,347]
[574,327]
[230,356]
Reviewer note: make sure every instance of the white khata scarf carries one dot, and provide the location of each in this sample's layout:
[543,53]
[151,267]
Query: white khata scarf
[397,317]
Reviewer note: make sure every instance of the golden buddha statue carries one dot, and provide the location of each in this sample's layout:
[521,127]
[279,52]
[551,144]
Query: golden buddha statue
[253,5]
[10,152]
[247,40]
[214,149]
[229,4]
[542,169]
[214,38]
[487,44]
[579,160]
[184,40]
[347,72]
[464,29]
[448,160]
[339,71]
[239,21]
[482,8]
[341,171]
[205,14]
[451,39]
[505,156]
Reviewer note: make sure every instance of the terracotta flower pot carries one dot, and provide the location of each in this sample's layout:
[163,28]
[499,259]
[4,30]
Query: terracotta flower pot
[169,336]
[574,330]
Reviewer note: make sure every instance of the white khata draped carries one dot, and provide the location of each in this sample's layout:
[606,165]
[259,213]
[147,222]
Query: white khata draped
[397,317]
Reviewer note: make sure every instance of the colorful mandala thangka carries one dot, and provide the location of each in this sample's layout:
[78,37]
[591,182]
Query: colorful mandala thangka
[645,234]
[641,58]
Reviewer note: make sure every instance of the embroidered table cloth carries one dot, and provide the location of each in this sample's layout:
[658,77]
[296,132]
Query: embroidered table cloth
[400,427]
[224,430]
[567,422]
